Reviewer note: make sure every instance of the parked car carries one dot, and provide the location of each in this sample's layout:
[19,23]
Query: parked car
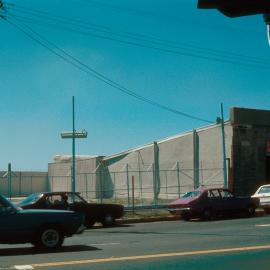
[263,194]
[207,203]
[94,212]
[42,228]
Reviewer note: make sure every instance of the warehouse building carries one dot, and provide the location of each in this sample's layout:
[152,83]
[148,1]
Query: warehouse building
[167,168]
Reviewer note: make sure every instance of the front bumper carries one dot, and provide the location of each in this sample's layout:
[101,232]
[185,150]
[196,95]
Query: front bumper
[179,210]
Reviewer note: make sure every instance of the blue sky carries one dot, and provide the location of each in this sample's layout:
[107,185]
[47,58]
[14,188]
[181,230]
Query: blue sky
[37,86]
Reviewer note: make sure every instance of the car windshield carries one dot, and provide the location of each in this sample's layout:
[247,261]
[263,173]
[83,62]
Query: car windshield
[265,189]
[31,199]
[192,194]
[7,203]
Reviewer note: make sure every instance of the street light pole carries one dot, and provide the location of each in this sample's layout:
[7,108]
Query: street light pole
[73,135]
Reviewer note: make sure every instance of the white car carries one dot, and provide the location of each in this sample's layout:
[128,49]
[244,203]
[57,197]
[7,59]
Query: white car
[263,193]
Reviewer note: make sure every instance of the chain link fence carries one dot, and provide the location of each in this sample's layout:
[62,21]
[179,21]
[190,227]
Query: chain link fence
[138,187]
[20,184]
[130,186]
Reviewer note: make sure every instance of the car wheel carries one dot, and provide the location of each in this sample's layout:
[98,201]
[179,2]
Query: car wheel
[186,216]
[207,214]
[49,237]
[108,220]
[251,210]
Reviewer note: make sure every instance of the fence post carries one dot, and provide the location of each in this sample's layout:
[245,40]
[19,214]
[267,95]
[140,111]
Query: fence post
[133,194]
[178,177]
[128,184]
[140,176]
[86,185]
[114,189]
[166,177]
[20,183]
[154,184]
[52,177]
[9,180]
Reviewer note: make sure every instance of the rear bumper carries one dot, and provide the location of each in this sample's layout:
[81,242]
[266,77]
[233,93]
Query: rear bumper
[81,229]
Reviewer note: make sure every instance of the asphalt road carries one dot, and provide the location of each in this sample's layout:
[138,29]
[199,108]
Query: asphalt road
[237,244]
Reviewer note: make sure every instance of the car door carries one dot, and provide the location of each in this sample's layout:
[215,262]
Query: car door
[13,226]
[228,201]
[214,201]
[76,203]
[56,201]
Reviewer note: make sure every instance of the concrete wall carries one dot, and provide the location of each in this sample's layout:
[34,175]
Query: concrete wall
[59,174]
[23,183]
[174,153]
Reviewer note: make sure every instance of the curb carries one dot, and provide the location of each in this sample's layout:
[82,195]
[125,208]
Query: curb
[146,219]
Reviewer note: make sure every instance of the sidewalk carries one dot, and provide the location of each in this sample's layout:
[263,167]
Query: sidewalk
[153,215]
[146,215]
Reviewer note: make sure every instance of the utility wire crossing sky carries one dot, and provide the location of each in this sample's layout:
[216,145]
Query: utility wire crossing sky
[174,57]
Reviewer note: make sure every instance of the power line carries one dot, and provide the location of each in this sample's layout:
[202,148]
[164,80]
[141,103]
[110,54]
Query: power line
[90,71]
[248,60]
[189,53]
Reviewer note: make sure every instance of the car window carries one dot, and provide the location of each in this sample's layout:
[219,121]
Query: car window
[225,194]
[192,194]
[264,190]
[55,200]
[74,198]
[213,194]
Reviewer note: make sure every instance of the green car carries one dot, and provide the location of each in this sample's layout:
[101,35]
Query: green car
[43,228]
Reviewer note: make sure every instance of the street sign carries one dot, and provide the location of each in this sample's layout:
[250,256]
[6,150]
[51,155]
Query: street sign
[76,135]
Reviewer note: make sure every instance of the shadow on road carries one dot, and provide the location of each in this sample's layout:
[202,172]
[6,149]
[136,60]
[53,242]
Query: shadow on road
[32,250]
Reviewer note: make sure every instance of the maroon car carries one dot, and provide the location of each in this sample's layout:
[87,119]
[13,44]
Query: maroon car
[206,203]
[94,212]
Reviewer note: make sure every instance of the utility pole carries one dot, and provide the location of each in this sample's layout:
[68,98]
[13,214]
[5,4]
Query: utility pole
[73,135]
[221,121]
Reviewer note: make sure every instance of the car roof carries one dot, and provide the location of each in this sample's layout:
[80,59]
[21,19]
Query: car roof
[268,185]
[58,192]
[208,189]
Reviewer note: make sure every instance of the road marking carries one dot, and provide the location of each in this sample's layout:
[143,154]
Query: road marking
[151,256]
[263,225]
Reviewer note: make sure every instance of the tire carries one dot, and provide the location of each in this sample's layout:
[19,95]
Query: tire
[250,210]
[49,237]
[186,216]
[207,214]
[108,220]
